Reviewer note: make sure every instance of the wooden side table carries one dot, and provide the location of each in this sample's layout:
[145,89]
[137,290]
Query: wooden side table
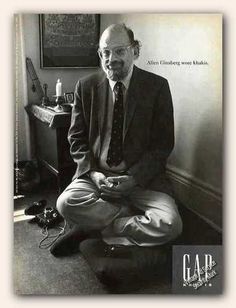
[51,144]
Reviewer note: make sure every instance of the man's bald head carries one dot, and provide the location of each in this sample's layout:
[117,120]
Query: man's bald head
[120,30]
[114,34]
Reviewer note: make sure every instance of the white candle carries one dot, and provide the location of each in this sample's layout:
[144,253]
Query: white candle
[58,88]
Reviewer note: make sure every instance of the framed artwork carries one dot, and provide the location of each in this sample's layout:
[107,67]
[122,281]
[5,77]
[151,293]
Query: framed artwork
[69,40]
[69,97]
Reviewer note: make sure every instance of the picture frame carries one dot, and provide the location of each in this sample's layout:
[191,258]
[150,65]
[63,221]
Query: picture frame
[69,40]
[69,97]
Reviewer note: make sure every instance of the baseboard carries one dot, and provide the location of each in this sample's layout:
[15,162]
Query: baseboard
[199,197]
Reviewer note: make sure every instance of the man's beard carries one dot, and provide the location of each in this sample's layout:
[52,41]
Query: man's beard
[115,70]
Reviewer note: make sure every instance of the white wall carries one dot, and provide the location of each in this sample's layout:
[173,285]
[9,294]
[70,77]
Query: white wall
[196,161]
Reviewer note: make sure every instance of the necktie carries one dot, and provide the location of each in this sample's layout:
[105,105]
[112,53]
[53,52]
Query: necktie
[115,151]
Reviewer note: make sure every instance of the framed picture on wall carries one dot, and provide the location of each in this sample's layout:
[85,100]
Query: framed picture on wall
[69,97]
[69,40]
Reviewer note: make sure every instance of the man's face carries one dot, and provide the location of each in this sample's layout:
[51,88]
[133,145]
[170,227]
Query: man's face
[116,60]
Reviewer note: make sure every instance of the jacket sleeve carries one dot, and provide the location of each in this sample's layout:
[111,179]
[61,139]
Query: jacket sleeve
[78,136]
[153,161]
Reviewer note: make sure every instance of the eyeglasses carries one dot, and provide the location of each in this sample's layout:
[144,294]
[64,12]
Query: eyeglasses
[119,51]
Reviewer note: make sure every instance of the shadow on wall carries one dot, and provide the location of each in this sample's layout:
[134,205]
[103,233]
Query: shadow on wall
[200,187]
[207,154]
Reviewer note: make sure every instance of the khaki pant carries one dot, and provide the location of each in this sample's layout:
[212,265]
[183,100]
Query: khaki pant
[144,218]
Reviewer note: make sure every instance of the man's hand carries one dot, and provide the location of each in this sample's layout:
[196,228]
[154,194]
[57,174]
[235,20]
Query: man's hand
[118,186]
[98,178]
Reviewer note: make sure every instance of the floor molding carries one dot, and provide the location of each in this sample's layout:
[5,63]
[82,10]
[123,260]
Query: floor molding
[199,197]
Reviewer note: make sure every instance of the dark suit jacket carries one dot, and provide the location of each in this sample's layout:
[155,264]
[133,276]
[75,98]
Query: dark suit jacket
[149,127]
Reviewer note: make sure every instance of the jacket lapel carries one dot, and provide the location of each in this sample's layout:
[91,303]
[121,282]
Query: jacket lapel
[100,99]
[133,96]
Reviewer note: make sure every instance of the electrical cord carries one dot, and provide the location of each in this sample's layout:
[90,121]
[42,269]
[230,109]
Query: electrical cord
[44,244]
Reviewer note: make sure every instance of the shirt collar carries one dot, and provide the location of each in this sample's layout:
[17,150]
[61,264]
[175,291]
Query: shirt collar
[125,81]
